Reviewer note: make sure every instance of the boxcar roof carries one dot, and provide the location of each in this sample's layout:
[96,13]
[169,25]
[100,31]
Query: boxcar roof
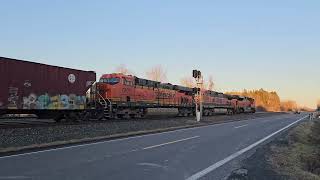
[11,59]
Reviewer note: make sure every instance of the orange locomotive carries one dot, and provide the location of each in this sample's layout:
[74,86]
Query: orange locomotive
[129,96]
[215,102]
[245,105]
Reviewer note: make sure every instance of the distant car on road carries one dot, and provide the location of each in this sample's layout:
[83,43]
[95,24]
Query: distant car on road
[297,112]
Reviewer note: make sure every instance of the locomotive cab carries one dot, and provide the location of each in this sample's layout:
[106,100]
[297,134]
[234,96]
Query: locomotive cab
[115,86]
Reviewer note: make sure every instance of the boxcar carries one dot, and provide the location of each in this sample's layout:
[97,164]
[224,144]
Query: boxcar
[44,90]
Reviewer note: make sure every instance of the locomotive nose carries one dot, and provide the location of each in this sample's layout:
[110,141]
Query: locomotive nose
[107,92]
[104,90]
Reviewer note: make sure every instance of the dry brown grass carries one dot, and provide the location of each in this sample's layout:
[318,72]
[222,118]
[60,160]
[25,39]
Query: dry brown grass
[299,156]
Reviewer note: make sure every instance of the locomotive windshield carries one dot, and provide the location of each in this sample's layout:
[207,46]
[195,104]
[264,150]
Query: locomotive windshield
[110,81]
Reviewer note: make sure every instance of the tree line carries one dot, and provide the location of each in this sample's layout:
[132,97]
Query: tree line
[268,100]
[158,73]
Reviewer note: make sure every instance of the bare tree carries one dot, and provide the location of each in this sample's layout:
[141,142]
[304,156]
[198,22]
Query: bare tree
[210,83]
[289,105]
[188,82]
[122,68]
[157,73]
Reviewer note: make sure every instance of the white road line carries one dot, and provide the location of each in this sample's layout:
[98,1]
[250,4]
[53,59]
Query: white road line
[134,150]
[218,164]
[14,177]
[241,126]
[152,165]
[171,142]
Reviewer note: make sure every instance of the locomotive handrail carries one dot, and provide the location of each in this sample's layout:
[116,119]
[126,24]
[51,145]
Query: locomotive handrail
[101,97]
[110,105]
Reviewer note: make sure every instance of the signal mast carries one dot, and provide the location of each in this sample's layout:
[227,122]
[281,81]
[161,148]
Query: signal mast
[198,94]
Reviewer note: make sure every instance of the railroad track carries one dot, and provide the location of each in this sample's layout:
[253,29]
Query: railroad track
[22,122]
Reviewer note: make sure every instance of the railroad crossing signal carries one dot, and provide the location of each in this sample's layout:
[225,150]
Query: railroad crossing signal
[196,90]
[196,74]
[198,95]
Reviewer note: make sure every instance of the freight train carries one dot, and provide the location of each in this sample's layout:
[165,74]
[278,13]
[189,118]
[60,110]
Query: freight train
[57,92]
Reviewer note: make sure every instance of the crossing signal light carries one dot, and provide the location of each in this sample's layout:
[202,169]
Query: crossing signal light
[196,74]
[196,90]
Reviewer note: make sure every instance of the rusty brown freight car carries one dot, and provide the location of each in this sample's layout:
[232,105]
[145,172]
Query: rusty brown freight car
[29,87]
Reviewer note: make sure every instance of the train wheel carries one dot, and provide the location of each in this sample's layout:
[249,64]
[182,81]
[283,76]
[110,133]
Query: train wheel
[144,113]
[133,116]
[120,116]
[143,116]
[99,115]
[126,116]
[85,116]
[58,118]
[67,117]
[72,117]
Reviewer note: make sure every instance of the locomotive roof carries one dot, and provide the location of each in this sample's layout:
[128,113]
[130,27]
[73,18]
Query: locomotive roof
[157,84]
[215,93]
[183,88]
[151,83]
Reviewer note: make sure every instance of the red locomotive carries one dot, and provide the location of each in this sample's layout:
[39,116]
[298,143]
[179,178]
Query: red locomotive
[127,95]
[56,92]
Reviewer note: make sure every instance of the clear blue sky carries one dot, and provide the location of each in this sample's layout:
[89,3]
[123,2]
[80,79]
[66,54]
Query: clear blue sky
[271,44]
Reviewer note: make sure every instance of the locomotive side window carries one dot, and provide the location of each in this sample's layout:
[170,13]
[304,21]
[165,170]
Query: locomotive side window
[128,83]
[111,81]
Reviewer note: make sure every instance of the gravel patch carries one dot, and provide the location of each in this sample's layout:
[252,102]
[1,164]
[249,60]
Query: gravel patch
[18,137]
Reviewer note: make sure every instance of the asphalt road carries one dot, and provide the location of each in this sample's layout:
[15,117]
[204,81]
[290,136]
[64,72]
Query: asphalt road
[183,154]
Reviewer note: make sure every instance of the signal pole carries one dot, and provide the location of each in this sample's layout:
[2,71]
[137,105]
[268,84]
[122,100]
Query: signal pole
[198,94]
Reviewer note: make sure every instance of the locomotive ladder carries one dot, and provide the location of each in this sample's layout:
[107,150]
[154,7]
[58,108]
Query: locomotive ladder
[107,106]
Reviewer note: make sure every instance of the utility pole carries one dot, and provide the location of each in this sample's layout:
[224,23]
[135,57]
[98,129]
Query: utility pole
[198,94]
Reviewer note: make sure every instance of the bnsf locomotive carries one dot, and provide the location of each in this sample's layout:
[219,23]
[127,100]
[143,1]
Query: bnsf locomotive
[56,92]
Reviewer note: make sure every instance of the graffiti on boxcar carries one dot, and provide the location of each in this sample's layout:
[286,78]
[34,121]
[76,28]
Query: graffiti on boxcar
[72,101]
[43,101]
[27,83]
[30,102]
[80,102]
[13,98]
[54,102]
[63,101]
